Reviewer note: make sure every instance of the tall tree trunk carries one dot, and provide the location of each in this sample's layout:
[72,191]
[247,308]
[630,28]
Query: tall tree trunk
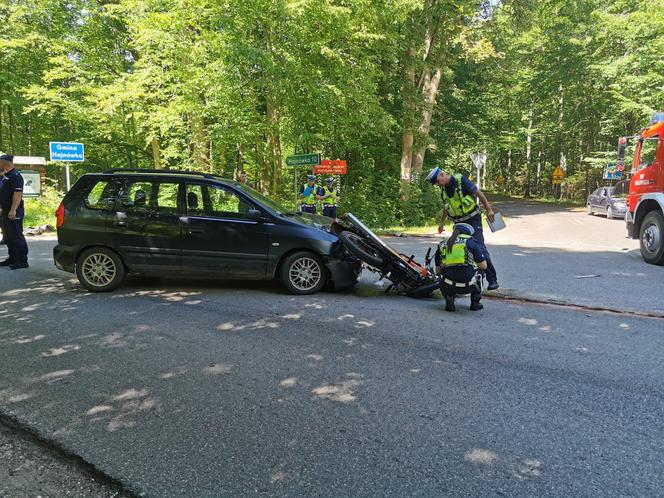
[429,94]
[199,142]
[529,142]
[539,173]
[274,143]
[408,136]
[156,153]
[10,131]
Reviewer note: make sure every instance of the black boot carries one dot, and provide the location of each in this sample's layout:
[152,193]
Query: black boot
[449,303]
[475,304]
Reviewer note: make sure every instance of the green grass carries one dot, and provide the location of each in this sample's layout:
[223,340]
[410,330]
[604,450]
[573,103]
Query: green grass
[41,210]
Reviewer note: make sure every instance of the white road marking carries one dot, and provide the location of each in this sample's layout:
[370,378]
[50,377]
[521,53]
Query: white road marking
[578,222]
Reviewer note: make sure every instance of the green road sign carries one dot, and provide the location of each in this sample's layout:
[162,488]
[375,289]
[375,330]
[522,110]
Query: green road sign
[303,160]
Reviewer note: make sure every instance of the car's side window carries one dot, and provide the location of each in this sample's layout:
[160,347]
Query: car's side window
[103,195]
[143,196]
[167,197]
[194,199]
[223,203]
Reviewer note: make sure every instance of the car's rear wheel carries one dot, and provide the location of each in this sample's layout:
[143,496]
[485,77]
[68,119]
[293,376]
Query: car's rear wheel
[652,238]
[609,213]
[589,209]
[303,272]
[361,249]
[100,269]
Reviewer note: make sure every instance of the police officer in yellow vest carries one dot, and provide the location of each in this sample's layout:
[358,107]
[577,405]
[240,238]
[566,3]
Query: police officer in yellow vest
[457,261]
[308,193]
[460,197]
[330,197]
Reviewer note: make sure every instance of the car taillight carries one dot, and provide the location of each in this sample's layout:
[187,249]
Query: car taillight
[60,216]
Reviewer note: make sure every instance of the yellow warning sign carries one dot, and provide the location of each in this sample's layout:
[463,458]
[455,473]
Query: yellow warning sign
[558,175]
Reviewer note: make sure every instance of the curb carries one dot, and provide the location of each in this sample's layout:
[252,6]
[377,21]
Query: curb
[60,451]
[559,303]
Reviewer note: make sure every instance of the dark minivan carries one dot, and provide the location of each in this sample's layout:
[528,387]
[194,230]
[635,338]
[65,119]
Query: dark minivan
[174,223]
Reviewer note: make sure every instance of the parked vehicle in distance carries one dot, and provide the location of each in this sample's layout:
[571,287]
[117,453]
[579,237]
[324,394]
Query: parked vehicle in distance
[645,202]
[610,201]
[175,223]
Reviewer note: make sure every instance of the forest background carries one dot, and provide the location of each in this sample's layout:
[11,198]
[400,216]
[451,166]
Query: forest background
[392,86]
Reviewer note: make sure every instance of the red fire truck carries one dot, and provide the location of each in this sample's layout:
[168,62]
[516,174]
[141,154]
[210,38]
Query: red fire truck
[645,202]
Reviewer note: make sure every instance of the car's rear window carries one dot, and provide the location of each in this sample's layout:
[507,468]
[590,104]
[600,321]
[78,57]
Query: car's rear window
[103,194]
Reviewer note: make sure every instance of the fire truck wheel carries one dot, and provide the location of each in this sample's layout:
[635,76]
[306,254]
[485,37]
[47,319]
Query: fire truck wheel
[652,238]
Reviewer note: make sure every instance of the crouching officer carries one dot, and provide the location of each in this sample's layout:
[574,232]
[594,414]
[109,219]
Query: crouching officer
[457,261]
[330,197]
[308,193]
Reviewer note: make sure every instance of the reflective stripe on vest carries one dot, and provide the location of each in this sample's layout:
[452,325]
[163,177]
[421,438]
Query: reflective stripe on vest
[311,198]
[330,201]
[459,255]
[458,205]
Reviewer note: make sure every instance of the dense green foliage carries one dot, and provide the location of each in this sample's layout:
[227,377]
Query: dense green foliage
[392,86]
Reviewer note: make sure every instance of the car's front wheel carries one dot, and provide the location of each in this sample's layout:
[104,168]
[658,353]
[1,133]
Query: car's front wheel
[609,213]
[589,209]
[303,272]
[652,238]
[100,269]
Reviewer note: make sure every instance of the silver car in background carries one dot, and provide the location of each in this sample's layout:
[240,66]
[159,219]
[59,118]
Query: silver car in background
[610,201]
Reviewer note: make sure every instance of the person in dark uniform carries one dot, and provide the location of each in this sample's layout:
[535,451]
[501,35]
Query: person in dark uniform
[308,193]
[457,261]
[12,212]
[330,197]
[2,230]
[460,197]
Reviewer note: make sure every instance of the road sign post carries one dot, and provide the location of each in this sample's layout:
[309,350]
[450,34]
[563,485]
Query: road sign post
[479,160]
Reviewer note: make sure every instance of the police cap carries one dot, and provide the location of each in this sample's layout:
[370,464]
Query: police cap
[433,175]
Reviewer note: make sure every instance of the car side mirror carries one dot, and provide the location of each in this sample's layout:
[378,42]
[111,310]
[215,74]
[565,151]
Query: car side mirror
[255,215]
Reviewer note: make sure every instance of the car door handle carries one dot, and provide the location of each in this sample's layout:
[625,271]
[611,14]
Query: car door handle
[184,219]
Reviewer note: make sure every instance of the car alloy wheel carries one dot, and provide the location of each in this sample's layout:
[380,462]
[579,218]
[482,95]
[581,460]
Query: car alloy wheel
[305,274]
[99,269]
[589,209]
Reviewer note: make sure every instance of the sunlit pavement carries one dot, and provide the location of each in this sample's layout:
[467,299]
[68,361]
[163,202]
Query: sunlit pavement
[179,388]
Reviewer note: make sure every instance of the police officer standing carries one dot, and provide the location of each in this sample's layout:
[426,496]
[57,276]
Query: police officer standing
[308,193]
[330,197]
[2,230]
[460,203]
[457,261]
[11,215]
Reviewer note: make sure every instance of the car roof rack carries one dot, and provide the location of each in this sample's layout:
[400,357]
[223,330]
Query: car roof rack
[165,172]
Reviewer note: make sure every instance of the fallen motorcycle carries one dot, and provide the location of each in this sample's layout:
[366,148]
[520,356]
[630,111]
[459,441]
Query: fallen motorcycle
[406,275]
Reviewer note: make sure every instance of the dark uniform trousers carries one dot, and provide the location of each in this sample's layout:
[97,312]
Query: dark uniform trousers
[330,210]
[476,223]
[308,208]
[460,276]
[16,244]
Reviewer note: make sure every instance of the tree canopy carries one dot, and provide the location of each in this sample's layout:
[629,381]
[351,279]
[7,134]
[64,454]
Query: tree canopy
[392,86]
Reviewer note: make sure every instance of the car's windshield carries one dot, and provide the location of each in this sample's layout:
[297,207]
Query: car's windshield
[620,189]
[266,201]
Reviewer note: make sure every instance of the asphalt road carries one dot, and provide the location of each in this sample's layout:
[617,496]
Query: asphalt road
[561,254]
[179,388]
